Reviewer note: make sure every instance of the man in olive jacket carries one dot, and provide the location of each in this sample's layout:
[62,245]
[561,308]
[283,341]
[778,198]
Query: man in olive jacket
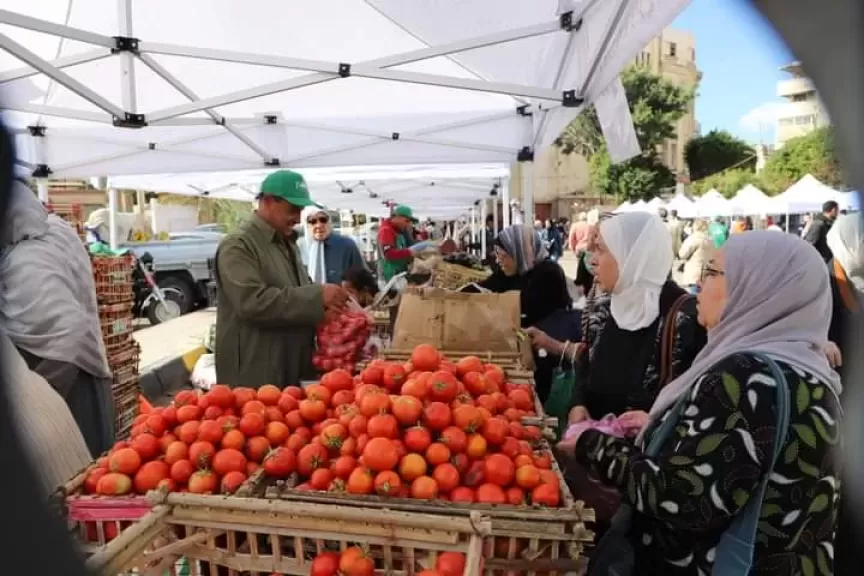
[268,308]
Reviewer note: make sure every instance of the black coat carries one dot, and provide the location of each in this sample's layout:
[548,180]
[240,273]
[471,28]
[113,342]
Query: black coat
[817,235]
[533,288]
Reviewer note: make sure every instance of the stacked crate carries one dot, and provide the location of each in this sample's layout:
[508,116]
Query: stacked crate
[114,294]
[71,213]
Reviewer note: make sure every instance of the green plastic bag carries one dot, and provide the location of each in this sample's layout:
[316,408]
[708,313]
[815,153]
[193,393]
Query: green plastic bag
[560,394]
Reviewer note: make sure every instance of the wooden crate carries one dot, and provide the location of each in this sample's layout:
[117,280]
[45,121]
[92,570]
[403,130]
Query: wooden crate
[94,521]
[229,534]
[453,276]
[523,540]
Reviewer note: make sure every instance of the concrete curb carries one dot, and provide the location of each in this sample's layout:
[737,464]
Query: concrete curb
[168,376]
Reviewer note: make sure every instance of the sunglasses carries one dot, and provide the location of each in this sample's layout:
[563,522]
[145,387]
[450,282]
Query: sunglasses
[319,220]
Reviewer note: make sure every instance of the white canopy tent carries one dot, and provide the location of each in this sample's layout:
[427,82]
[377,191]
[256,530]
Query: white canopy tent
[806,195]
[712,204]
[750,201]
[682,205]
[655,204]
[333,83]
[639,206]
[626,206]
[443,192]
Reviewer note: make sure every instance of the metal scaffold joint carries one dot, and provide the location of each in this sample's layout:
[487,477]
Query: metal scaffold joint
[130,120]
[125,44]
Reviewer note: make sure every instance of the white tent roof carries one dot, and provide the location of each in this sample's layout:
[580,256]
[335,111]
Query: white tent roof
[232,85]
[806,195]
[750,201]
[626,206]
[435,191]
[683,205]
[656,203]
[712,204]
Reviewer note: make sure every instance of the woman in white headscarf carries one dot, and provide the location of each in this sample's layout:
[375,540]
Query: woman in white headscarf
[623,363]
[767,293]
[634,341]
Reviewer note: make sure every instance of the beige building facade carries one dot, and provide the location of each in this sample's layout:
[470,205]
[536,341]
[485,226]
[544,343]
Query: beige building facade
[561,180]
[802,112]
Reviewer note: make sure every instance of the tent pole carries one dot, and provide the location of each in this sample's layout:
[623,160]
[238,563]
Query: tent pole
[611,28]
[484,207]
[505,201]
[495,199]
[42,190]
[62,78]
[37,25]
[112,218]
[59,63]
[188,93]
[127,64]
[526,169]
[43,110]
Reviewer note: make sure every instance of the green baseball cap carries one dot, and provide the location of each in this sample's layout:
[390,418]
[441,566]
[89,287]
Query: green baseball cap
[405,212]
[289,186]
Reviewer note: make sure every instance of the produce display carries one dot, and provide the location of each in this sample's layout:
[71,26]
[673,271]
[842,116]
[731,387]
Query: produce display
[465,260]
[342,339]
[356,561]
[430,429]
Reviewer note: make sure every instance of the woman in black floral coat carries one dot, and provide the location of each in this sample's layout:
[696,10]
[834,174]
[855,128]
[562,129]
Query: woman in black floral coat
[767,293]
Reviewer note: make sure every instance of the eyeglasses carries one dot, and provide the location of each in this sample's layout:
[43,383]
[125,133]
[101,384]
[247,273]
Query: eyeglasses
[708,272]
[320,220]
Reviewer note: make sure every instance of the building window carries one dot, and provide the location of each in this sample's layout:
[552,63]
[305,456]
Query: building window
[673,155]
[785,121]
[673,49]
[693,54]
[805,120]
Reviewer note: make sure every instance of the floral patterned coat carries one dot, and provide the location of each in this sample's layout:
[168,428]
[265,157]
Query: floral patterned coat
[706,471]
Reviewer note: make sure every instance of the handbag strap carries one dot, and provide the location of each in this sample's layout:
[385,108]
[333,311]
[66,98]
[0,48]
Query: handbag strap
[667,339]
[734,553]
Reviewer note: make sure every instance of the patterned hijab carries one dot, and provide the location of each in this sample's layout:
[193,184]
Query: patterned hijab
[778,303]
[524,245]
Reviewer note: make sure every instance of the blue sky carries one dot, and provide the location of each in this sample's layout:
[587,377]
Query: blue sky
[739,55]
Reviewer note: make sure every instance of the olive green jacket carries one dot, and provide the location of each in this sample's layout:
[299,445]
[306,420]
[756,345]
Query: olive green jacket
[267,311]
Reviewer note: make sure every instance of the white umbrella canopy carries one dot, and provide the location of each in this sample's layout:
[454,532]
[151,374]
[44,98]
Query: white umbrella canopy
[230,85]
[750,201]
[683,206]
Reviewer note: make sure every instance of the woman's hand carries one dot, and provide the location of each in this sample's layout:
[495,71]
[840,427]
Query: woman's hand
[578,414]
[832,352]
[633,421]
[568,445]
[542,341]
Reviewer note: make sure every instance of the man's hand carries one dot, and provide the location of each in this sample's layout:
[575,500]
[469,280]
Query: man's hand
[334,296]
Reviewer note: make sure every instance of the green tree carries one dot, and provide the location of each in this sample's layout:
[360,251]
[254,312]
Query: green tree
[717,151]
[813,154]
[729,182]
[655,105]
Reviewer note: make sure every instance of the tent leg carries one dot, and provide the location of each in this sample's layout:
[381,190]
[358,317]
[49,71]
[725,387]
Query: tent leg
[127,63]
[495,229]
[42,189]
[112,218]
[473,235]
[484,209]
[527,170]
[505,201]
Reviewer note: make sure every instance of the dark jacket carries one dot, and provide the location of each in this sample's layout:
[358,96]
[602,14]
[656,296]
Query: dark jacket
[533,290]
[817,235]
[340,254]
[268,309]
[562,325]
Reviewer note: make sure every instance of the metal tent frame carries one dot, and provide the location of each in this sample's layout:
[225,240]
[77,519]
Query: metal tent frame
[532,104]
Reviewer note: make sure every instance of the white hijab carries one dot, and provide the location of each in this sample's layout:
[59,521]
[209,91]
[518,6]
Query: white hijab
[316,262]
[846,241]
[642,246]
